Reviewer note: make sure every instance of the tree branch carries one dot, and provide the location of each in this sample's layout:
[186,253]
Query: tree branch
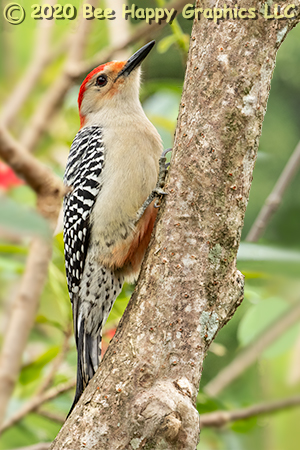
[293,374]
[55,417]
[28,81]
[36,175]
[56,363]
[53,98]
[22,318]
[274,199]
[144,32]
[118,29]
[36,402]
[41,446]
[50,191]
[251,353]
[144,391]
[221,418]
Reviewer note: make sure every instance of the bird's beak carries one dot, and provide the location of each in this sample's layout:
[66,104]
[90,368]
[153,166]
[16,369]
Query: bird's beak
[135,60]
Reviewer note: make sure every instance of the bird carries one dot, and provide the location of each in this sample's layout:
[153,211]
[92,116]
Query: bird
[114,172]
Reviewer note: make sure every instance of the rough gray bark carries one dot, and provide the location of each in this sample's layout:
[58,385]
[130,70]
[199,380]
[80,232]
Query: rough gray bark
[143,395]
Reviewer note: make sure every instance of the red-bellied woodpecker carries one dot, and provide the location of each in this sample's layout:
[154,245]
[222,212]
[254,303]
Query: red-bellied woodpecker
[112,169]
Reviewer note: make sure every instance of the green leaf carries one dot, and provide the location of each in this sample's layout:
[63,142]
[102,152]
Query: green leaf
[41,319]
[11,266]
[165,43]
[120,304]
[283,343]
[32,371]
[23,195]
[258,318]
[17,436]
[245,425]
[252,275]
[13,249]
[256,252]
[24,221]
[207,404]
[57,283]
[41,428]
[163,104]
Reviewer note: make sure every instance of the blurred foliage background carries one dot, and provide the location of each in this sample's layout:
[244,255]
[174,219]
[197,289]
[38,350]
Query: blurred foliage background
[271,267]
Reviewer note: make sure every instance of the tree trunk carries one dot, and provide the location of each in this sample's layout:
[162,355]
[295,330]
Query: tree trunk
[143,395]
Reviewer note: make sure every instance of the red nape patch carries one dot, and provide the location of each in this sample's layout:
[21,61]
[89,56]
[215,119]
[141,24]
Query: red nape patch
[117,66]
[87,79]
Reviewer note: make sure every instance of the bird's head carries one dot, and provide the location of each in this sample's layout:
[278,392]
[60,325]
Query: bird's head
[111,85]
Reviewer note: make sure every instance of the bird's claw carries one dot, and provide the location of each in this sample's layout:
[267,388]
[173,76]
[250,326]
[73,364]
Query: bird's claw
[158,191]
[163,166]
[165,152]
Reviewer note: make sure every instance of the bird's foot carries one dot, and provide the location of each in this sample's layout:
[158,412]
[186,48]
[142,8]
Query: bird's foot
[158,191]
[163,169]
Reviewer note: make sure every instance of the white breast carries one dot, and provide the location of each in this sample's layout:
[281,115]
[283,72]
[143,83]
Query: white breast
[132,151]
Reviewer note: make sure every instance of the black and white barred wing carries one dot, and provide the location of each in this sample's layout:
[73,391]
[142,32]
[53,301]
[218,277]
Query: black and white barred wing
[84,167]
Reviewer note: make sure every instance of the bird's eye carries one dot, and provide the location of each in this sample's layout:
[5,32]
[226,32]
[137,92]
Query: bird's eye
[101,80]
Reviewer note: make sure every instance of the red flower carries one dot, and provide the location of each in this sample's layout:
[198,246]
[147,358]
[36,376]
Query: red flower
[107,337]
[8,178]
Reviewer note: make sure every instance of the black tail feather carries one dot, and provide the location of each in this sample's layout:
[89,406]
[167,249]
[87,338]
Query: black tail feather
[88,360]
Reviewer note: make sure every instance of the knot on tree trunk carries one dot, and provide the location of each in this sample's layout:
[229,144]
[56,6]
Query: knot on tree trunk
[169,416]
[171,426]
